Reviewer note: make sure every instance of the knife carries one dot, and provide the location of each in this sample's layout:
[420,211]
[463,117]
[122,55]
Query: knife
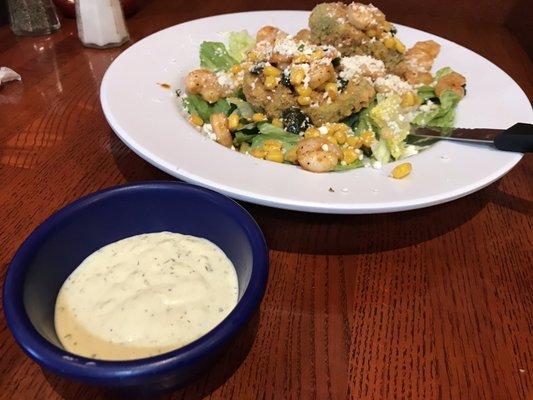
[518,137]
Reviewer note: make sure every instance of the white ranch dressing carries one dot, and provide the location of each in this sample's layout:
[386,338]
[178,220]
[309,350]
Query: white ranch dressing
[145,295]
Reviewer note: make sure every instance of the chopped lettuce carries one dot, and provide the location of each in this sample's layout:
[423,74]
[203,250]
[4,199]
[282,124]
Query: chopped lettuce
[352,120]
[393,126]
[214,56]
[267,128]
[271,132]
[241,137]
[381,152]
[195,105]
[239,43]
[426,93]
[364,122]
[244,108]
[347,167]
[441,72]
[440,115]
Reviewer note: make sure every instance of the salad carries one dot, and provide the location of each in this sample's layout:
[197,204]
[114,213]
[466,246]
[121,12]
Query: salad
[342,94]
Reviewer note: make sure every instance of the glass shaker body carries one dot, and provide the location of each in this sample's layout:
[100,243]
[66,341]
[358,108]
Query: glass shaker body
[101,23]
[32,17]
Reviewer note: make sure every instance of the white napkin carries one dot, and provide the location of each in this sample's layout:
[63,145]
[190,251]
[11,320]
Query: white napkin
[7,74]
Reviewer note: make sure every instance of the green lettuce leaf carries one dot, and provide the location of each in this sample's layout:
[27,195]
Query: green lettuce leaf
[381,152]
[195,105]
[239,43]
[426,93]
[340,167]
[267,128]
[241,137]
[441,72]
[364,122]
[269,131]
[244,108]
[388,116]
[214,56]
[441,116]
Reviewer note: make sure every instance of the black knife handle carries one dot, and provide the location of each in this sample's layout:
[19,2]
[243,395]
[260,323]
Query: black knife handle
[518,137]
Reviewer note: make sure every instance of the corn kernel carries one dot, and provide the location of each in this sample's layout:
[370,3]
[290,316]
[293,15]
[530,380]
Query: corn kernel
[317,54]
[408,99]
[271,82]
[277,122]
[274,155]
[236,69]
[297,76]
[258,153]
[303,91]
[331,89]
[272,144]
[311,132]
[258,117]
[196,120]
[335,126]
[354,141]
[332,139]
[390,43]
[400,47]
[349,155]
[291,155]
[367,137]
[340,136]
[304,100]
[401,171]
[302,58]
[253,56]
[245,147]
[233,122]
[269,70]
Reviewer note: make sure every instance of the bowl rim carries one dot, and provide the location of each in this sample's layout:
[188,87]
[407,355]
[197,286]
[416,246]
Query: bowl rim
[97,372]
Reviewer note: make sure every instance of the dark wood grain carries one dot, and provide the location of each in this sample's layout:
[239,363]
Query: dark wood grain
[428,304]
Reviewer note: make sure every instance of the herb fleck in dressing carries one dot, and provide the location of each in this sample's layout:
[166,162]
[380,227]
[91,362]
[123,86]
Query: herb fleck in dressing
[145,295]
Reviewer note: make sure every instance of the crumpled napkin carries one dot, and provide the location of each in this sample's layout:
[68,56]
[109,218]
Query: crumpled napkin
[7,74]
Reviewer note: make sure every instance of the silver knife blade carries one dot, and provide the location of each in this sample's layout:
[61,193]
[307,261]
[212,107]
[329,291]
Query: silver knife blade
[477,135]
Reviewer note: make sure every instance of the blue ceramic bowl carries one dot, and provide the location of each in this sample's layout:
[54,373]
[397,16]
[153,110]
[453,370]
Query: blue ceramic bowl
[60,244]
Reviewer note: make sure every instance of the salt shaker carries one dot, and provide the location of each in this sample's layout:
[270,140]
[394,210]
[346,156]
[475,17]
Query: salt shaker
[32,17]
[101,23]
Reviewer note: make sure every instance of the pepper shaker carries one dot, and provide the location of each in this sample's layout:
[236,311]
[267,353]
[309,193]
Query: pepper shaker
[32,17]
[101,23]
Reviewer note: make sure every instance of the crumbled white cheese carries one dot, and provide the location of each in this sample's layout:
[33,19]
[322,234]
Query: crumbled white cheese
[323,130]
[392,84]
[208,130]
[286,47]
[427,107]
[410,150]
[357,66]
[226,80]
[376,165]
[263,49]
[307,76]
[325,147]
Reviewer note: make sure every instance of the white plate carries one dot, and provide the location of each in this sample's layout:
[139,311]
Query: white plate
[148,119]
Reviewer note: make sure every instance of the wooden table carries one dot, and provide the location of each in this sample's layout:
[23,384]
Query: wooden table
[428,304]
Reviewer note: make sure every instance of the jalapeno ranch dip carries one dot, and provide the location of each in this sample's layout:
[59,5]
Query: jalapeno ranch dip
[145,295]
